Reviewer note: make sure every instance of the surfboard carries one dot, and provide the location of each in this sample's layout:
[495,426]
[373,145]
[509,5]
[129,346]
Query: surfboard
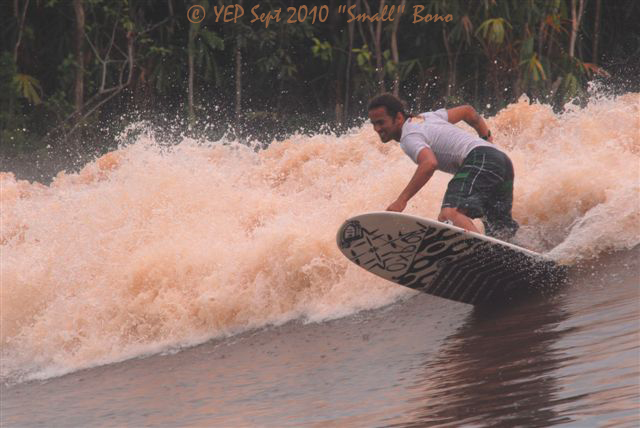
[444,260]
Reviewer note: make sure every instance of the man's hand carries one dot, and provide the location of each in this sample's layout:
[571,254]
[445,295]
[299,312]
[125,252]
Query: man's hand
[427,164]
[398,206]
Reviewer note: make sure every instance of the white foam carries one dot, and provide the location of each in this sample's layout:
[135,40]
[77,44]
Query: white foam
[148,248]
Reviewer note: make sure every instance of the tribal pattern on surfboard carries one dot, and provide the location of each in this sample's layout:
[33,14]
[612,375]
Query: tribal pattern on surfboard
[442,260]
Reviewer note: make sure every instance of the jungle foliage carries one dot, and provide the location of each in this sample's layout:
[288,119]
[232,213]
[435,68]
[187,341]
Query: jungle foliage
[80,70]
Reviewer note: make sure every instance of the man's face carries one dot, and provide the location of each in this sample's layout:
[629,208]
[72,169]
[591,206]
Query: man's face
[387,127]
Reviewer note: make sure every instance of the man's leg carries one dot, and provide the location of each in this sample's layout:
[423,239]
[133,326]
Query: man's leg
[457,218]
[499,221]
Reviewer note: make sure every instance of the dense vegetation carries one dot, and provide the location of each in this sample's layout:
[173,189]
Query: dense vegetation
[78,71]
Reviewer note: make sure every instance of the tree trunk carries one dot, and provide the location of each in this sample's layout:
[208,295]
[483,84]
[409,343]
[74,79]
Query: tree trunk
[376,36]
[379,65]
[339,104]
[360,29]
[596,33]
[476,82]
[190,64]
[171,15]
[78,6]
[541,37]
[347,84]
[450,76]
[394,51]
[20,17]
[238,55]
[576,16]
[551,39]
[238,104]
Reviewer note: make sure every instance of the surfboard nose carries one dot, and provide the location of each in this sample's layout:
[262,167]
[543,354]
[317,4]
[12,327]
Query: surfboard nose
[350,231]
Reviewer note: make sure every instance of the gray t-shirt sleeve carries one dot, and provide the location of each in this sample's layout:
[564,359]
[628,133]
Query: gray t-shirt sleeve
[442,114]
[412,144]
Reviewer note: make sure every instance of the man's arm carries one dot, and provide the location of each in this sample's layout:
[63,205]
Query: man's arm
[471,116]
[427,164]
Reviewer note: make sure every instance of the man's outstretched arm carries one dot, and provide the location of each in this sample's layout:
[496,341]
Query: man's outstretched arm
[471,116]
[427,164]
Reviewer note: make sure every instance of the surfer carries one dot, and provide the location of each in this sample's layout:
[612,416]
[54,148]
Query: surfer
[482,183]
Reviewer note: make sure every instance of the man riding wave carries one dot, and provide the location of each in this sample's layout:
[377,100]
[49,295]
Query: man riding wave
[482,183]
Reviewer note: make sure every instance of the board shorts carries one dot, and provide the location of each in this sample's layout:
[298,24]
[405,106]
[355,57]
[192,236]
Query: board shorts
[483,188]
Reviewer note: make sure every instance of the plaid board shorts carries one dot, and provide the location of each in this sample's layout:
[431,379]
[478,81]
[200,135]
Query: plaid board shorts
[483,188]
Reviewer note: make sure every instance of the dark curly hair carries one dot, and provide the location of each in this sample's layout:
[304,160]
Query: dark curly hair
[391,103]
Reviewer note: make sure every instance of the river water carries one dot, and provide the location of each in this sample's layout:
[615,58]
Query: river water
[200,284]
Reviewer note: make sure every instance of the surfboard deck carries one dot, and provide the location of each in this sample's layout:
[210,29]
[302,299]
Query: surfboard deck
[442,259]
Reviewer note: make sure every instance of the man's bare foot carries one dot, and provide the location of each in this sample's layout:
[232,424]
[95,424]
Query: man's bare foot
[479,225]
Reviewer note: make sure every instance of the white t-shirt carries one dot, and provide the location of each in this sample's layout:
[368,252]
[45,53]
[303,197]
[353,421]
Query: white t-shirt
[450,144]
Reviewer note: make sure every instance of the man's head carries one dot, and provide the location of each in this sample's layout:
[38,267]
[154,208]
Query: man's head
[387,114]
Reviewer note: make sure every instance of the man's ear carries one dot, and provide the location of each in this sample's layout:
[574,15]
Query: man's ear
[399,117]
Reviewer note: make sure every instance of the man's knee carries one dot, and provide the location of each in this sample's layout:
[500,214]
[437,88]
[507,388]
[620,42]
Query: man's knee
[448,214]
